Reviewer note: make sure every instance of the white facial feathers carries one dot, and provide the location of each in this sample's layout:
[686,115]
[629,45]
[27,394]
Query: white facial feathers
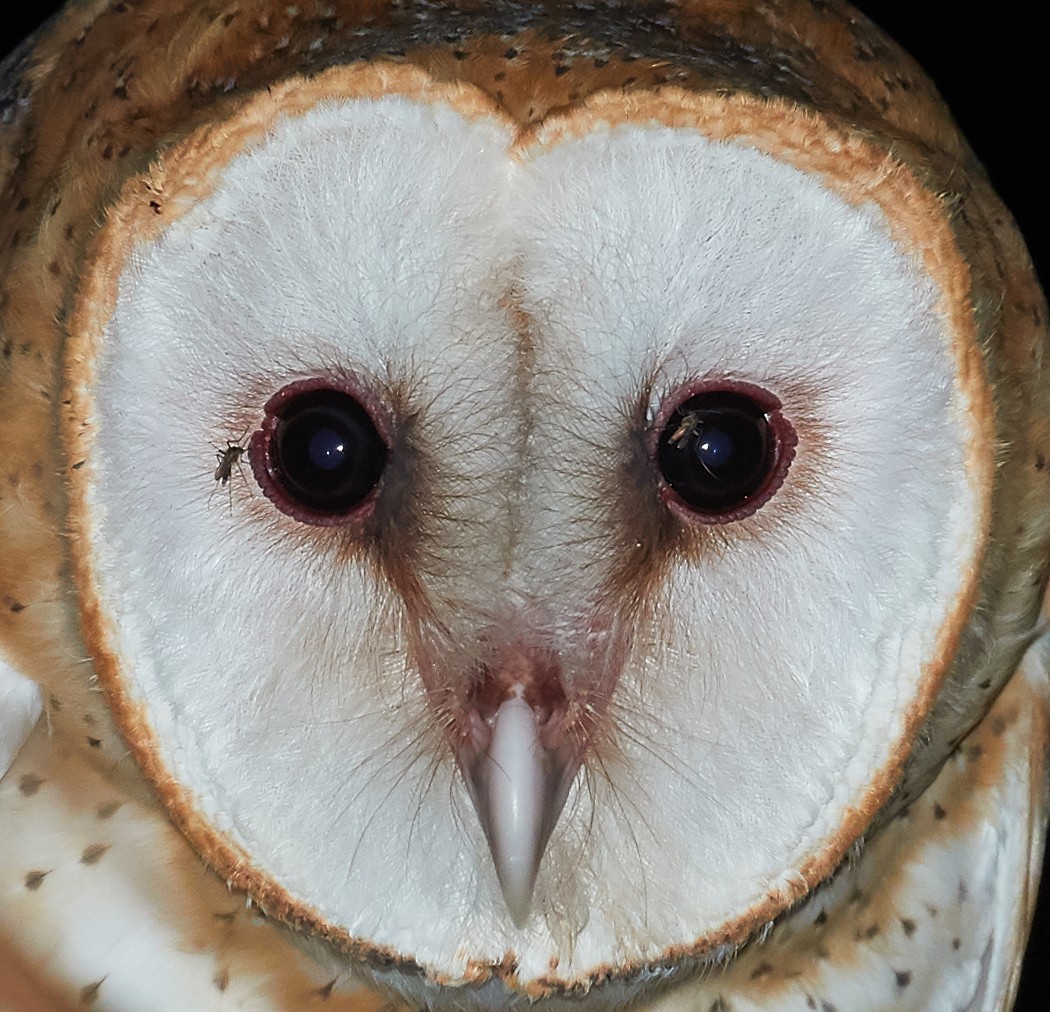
[512,310]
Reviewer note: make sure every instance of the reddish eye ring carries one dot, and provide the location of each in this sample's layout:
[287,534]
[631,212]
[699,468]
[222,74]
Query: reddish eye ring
[722,450]
[321,451]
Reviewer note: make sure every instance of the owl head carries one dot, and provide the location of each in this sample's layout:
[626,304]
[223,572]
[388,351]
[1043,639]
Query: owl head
[530,487]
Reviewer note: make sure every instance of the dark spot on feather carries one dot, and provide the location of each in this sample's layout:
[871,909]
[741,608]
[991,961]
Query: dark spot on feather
[903,978]
[908,925]
[324,992]
[30,784]
[93,853]
[89,994]
[222,980]
[34,879]
[938,811]
[107,810]
[94,742]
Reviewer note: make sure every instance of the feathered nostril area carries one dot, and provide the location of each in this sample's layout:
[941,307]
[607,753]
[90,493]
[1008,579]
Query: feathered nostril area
[535,678]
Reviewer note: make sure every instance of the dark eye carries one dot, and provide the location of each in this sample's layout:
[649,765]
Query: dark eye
[319,454]
[724,452]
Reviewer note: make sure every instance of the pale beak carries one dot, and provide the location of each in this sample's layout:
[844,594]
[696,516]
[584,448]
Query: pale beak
[519,787]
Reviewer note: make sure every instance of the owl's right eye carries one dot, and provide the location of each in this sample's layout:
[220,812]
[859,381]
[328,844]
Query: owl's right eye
[319,454]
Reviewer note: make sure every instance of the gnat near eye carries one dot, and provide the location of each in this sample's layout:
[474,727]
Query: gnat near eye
[724,452]
[319,454]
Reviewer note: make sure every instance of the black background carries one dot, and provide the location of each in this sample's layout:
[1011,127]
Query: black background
[989,61]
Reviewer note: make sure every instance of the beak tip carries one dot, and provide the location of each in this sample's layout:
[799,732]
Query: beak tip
[517,894]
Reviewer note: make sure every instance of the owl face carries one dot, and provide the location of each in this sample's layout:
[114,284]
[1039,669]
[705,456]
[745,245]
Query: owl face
[602,500]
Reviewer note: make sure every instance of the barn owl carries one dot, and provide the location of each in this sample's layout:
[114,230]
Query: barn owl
[508,505]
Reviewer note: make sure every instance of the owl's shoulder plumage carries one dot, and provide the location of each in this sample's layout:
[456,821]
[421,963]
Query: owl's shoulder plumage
[933,911]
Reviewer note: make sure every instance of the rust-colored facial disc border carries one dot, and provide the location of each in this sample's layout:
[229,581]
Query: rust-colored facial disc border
[856,169]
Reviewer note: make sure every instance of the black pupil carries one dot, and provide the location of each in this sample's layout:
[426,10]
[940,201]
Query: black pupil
[717,450]
[327,451]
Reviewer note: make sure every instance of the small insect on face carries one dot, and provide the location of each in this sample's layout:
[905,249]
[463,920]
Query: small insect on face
[226,460]
[689,425]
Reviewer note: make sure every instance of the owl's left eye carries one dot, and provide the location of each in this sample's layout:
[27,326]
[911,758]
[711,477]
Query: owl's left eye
[723,452]
[319,454]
